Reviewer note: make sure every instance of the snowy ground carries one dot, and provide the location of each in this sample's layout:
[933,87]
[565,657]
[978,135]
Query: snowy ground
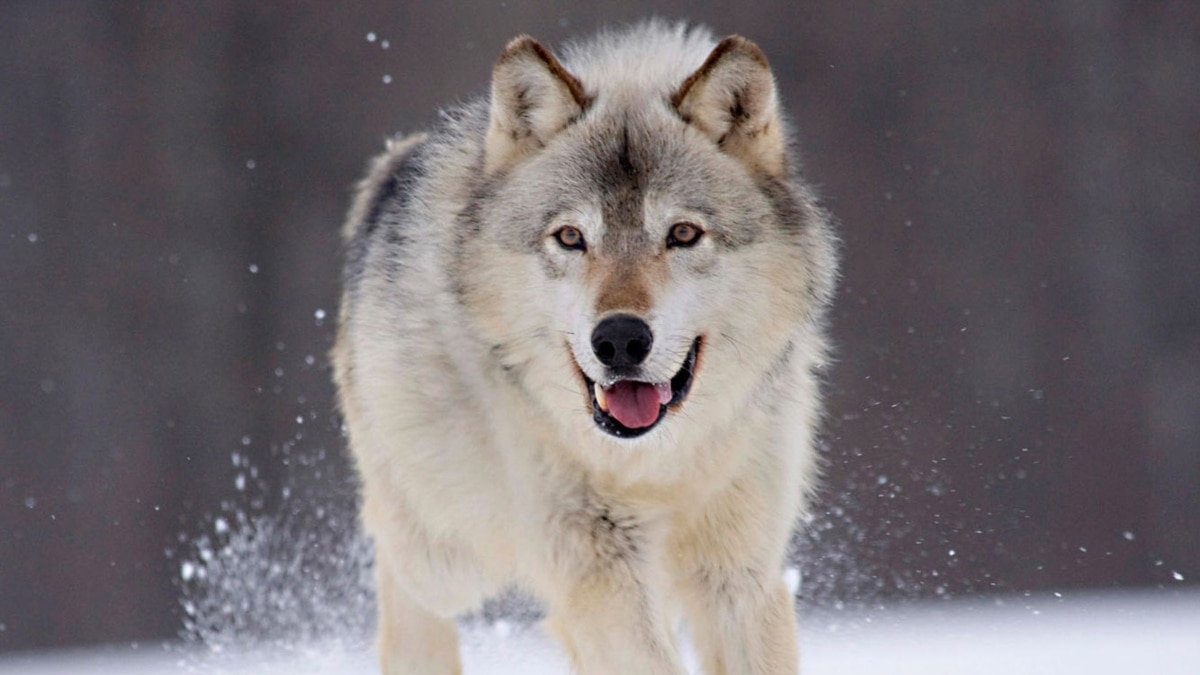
[1118,633]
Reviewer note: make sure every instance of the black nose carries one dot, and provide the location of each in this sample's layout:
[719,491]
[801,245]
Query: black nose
[621,340]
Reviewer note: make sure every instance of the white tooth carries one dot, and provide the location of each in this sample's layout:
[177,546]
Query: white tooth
[603,402]
[664,392]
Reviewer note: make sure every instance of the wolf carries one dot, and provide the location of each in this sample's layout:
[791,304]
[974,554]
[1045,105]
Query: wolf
[580,350]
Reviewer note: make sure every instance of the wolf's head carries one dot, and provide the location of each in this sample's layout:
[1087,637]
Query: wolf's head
[639,251]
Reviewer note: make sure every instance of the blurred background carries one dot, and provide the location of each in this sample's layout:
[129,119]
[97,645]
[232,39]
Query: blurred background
[1016,403]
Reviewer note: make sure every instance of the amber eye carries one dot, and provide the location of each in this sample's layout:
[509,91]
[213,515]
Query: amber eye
[570,238]
[684,235]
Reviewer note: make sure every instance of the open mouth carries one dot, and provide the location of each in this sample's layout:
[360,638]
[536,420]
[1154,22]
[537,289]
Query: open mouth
[629,408]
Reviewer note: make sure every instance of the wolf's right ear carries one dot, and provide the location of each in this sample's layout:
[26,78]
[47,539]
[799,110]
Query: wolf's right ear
[533,98]
[732,100]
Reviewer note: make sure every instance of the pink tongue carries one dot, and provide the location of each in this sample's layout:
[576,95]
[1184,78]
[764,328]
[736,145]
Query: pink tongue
[634,404]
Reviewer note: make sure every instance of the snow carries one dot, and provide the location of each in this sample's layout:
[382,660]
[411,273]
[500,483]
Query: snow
[1109,633]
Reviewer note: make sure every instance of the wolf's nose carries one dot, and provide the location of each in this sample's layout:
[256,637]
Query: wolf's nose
[621,340]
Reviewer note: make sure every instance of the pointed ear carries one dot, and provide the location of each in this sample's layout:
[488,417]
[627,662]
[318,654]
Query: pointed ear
[533,98]
[732,100]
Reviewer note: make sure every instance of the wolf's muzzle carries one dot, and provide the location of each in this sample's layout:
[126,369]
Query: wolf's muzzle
[629,408]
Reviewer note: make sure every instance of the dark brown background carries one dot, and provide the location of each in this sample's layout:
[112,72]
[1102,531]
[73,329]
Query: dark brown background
[1016,401]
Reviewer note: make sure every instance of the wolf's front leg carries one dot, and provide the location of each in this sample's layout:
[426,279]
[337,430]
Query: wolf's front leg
[605,600]
[743,622]
[411,639]
[728,558]
[608,626]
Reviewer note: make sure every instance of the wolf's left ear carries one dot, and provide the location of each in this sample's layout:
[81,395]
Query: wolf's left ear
[732,99]
[533,98]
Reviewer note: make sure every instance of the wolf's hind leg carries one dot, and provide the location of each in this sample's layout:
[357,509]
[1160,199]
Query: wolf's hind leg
[411,639]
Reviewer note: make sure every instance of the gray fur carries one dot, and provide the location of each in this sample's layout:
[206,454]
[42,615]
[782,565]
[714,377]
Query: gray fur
[467,381]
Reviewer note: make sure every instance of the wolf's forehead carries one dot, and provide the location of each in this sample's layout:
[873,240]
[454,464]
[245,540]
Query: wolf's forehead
[620,175]
[618,168]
